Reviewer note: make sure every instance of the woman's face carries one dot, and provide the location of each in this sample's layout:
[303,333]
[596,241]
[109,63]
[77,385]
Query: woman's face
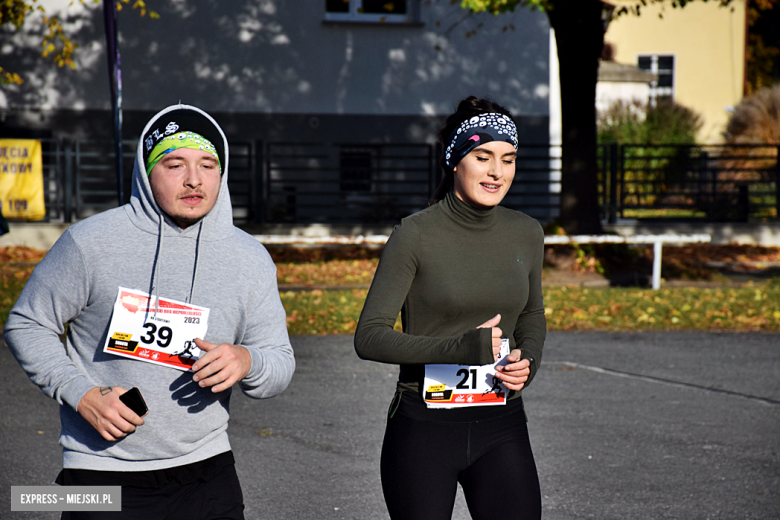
[483,177]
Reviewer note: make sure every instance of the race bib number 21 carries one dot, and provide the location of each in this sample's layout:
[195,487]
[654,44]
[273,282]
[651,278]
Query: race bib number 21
[163,334]
[459,386]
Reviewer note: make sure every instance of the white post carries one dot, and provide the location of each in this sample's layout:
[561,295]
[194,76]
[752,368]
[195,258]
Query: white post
[657,244]
[555,127]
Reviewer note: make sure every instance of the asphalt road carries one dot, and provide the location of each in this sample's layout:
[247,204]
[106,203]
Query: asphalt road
[672,425]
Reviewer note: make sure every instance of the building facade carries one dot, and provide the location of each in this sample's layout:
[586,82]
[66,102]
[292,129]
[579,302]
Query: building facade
[697,52]
[331,99]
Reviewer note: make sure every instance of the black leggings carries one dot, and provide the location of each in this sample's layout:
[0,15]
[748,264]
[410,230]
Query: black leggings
[427,452]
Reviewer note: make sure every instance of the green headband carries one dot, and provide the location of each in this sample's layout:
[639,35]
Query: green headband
[180,140]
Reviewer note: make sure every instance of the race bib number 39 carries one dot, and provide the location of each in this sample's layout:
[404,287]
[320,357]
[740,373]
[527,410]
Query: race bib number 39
[164,335]
[458,386]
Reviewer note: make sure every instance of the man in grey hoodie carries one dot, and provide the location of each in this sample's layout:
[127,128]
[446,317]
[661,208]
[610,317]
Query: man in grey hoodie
[128,281]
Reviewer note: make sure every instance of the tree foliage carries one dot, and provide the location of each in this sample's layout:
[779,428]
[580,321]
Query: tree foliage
[756,119]
[763,45]
[666,122]
[503,6]
[55,42]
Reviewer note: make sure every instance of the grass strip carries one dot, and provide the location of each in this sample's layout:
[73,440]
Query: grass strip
[748,308]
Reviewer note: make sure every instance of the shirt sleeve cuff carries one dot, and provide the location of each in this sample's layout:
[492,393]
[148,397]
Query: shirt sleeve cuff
[74,391]
[480,342]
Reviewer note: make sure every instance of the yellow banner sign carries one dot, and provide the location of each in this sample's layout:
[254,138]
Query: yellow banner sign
[21,179]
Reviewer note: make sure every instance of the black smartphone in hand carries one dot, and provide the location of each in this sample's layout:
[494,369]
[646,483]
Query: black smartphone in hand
[135,401]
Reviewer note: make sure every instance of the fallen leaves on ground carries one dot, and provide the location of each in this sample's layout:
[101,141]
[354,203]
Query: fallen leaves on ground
[696,262]
[16,266]
[334,272]
[324,312]
[688,262]
[747,308]
[14,254]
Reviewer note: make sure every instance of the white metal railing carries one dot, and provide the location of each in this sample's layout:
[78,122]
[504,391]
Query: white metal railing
[656,240]
[330,240]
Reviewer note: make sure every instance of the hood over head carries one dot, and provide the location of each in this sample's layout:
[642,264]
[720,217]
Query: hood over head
[144,211]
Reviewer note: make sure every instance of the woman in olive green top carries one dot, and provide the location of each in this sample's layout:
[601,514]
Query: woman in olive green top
[464,273]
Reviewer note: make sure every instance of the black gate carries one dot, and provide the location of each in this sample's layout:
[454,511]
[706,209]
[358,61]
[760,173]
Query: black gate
[736,183]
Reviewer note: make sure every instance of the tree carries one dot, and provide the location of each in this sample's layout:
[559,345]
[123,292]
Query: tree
[756,119]
[763,49]
[579,27]
[54,40]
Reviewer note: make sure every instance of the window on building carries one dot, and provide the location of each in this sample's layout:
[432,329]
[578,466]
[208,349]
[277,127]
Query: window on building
[663,65]
[355,169]
[369,11]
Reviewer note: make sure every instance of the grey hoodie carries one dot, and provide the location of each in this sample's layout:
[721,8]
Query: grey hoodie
[211,264]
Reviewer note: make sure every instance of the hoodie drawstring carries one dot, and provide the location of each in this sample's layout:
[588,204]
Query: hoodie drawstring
[155,268]
[154,292]
[197,261]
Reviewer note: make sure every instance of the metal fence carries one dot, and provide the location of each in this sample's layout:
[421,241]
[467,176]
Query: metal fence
[53,160]
[382,183]
[736,183]
[345,183]
[353,184]
[537,186]
[93,177]
[278,182]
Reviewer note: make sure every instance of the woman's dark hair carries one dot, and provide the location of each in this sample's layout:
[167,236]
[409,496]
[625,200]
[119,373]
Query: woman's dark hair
[468,108]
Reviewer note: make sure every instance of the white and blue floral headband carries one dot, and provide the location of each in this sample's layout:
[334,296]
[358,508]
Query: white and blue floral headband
[478,130]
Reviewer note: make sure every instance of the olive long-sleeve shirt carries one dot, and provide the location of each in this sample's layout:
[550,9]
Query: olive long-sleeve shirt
[448,269]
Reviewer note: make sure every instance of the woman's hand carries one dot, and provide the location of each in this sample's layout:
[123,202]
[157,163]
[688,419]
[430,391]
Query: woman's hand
[516,372]
[496,334]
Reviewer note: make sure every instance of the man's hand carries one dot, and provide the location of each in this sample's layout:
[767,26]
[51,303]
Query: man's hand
[516,372]
[495,333]
[222,366]
[102,408]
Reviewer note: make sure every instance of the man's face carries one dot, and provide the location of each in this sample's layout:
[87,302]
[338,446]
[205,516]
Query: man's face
[185,184]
